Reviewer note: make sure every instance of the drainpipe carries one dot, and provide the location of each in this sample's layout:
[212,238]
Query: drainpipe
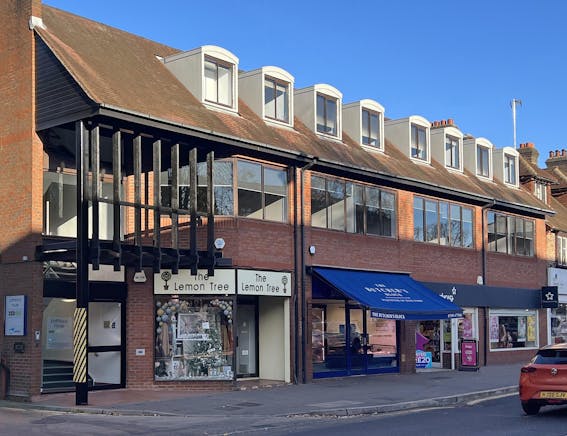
[483,252]
[302,257]
[296,278]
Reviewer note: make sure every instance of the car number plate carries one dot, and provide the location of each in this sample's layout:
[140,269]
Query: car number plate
[553,394]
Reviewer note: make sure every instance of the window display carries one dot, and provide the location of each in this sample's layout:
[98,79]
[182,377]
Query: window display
[513,329]
[193,339]
[559,324]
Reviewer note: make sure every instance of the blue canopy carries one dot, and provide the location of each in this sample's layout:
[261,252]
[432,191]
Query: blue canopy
[388,295]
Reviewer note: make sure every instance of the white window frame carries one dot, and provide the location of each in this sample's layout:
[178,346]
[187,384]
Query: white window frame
[418,127]
[456,149]
[540,190]
[510,167]
[287,98]
[562,250]
[486,164]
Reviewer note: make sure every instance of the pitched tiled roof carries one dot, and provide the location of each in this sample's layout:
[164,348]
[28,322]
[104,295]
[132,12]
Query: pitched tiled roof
[527,169]
[119,70]
[559,220]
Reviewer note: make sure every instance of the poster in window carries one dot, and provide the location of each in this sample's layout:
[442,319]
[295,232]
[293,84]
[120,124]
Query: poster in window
[189,327]
[531,328]
[15,316]
[494,329]
[59,333]
[522,329]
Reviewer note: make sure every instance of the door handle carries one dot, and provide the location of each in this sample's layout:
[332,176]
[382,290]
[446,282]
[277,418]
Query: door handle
[237,341]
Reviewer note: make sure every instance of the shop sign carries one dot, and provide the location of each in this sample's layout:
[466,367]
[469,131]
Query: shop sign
[271,283]
[469,353]
[423,359]
[183,283]
[549,297]
[15,315]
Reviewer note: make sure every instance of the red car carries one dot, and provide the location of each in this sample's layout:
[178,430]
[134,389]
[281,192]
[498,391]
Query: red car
[543,381]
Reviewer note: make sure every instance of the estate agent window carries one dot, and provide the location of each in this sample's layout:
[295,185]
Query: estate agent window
[513,329]
[341,205]
[510,235]
[193,338]
[442,223]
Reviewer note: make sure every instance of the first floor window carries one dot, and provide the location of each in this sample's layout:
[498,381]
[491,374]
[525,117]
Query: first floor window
[262,192]
[340,205]
[442,223]
[222,188]
[562,250]
[193,338]
[510,235]
[513,328]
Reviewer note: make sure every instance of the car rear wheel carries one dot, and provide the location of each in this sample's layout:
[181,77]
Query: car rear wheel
[530,407]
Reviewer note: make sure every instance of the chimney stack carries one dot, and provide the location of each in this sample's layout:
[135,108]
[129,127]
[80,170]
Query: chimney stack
[557,158]
[529,152]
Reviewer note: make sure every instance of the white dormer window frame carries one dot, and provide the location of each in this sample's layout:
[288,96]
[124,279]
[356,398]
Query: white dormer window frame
[363,121]
[327,114]
[218,78]
[510,169]
[419,142]
[483,159]
[453,154]
[276,99]
[540,190]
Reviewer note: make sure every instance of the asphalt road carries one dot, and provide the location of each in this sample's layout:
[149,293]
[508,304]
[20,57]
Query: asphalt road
[502,416]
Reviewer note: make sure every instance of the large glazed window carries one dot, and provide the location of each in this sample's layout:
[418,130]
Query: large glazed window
[60,206]
[513,329]
[510,235]
[218,82]
[193,338]
[442,223]
[223,187]
[262,192]
[340,205]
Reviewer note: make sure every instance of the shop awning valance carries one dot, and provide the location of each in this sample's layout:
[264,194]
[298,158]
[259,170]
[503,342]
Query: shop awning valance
[388,295]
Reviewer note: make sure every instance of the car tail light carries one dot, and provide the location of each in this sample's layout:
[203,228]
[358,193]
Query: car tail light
[528,369]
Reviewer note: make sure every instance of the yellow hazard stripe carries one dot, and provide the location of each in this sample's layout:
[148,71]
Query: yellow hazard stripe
[80,345]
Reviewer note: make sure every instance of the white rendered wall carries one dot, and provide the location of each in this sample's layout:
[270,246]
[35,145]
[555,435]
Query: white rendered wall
[498,163]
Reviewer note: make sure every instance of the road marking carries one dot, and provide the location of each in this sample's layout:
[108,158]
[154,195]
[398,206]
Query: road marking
[495,397]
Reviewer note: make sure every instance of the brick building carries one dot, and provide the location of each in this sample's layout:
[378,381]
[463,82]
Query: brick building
[215,225]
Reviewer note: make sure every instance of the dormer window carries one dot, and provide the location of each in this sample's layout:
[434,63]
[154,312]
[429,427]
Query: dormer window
[209,73]
[418,142]
[363,121]
[276,99]
[540,191]
[510,169]
[370,128]
[452,152]
[327,115]
[218,82]
[482,161]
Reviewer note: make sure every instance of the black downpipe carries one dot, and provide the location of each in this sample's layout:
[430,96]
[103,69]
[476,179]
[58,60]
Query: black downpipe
[296,278]
[303,298]
[483,252]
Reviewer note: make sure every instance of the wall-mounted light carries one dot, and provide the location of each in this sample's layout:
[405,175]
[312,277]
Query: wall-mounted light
[312,250]
[140,277]
[219,243]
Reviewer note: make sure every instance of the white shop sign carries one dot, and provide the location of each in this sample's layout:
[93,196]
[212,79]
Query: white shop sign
[272,283]
[183,283]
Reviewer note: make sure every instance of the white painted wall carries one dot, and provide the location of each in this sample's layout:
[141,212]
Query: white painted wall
[274,338]
[498,163]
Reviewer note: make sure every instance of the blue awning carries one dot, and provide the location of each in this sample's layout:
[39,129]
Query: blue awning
[388,295]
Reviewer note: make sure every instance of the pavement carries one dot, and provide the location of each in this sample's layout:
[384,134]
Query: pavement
[344,396]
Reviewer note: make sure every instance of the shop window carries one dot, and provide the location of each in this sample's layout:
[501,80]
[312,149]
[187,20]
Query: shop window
[510,235]
[559,324]
[442,223]
[346,206]
[513,329]
[193,339]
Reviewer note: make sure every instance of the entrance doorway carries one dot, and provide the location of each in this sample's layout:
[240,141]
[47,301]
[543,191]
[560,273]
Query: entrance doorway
[106,333]
[429,339]
[346,340]
[246,345]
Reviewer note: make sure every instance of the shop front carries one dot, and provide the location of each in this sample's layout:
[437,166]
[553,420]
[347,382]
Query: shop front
[557,327]
[356,319]
[499,319]
[231,325]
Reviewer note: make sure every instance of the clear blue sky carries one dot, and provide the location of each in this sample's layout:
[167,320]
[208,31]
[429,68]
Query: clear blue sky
[442,59]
